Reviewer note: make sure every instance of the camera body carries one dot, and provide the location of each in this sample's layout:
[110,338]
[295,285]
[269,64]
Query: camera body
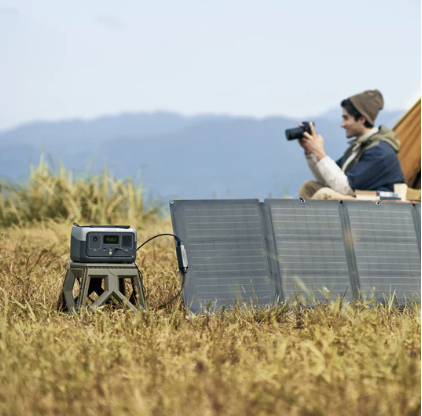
[103,244]
[297,132]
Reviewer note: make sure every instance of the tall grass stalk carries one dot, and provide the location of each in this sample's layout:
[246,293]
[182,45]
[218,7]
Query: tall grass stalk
[96,199]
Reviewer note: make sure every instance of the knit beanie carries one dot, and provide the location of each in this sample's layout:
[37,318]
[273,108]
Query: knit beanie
[368,103]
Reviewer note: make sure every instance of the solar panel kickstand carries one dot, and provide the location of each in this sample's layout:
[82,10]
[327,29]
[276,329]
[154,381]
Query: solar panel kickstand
[91,276]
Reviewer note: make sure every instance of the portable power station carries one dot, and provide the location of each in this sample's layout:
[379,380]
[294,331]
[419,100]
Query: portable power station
[103,244]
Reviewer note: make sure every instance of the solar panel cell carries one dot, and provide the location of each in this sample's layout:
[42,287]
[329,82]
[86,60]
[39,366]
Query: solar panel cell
[310,248]
[386,249]
[226,246]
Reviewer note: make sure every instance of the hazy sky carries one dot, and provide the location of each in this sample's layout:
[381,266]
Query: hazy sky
[66,59]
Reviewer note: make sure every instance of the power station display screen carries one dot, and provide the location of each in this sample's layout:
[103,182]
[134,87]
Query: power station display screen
[111,239]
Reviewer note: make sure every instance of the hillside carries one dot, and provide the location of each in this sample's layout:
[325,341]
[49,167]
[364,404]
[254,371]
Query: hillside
[188,157]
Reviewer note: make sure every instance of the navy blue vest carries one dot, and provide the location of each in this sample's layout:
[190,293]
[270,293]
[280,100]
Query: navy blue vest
[377,170]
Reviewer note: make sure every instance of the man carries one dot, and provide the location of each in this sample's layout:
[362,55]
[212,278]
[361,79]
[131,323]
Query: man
[370,162]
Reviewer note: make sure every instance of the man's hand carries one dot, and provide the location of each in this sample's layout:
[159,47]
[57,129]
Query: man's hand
[313,143]
[303,144]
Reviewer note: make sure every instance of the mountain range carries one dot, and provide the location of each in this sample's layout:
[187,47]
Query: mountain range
[198,157]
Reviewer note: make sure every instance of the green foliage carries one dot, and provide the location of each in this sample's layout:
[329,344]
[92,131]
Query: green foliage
[325,360]
[100,199]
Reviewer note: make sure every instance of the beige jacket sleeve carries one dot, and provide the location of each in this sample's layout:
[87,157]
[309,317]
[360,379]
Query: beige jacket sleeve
[312,163]
[333,176]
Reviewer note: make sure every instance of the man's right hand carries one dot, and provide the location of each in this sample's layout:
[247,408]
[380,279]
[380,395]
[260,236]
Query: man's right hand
[302,144]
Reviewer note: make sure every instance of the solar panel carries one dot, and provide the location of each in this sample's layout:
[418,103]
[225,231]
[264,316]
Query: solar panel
[386,249]
[244,251]
[310,248]
[227,251]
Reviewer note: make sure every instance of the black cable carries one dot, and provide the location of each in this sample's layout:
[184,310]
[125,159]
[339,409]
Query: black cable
[160,235]
[182,286]
[163,305]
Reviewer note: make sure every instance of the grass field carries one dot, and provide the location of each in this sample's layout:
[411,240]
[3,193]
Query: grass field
[326,360]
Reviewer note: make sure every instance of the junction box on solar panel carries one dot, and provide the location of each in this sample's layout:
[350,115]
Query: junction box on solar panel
[103,244]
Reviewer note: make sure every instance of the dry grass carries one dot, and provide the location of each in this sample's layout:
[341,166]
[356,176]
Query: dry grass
[99,199]
[321,361]
[326,360]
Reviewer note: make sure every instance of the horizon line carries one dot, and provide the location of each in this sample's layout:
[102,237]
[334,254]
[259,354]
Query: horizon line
[91,119]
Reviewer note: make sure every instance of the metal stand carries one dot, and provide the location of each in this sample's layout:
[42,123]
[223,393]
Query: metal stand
[107,280]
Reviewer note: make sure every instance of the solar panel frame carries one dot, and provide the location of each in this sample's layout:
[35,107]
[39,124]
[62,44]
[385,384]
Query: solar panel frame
[271,253]
[378,249]
[228,250]
[316,229]
[417,219]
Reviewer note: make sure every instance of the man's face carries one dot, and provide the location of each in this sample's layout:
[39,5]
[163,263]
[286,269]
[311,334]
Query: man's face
[353,127]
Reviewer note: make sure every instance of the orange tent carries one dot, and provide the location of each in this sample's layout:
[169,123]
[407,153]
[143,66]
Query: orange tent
[408,131]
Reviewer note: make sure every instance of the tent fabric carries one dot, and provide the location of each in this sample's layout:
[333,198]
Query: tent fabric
[408,131]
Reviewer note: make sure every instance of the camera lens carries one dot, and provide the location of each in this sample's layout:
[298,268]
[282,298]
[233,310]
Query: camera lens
[295,133]
[95,239]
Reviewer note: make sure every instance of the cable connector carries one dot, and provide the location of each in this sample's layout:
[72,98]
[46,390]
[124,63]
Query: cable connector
[182,257]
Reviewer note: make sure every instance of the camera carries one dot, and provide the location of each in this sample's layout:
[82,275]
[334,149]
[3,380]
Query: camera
[297,132]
